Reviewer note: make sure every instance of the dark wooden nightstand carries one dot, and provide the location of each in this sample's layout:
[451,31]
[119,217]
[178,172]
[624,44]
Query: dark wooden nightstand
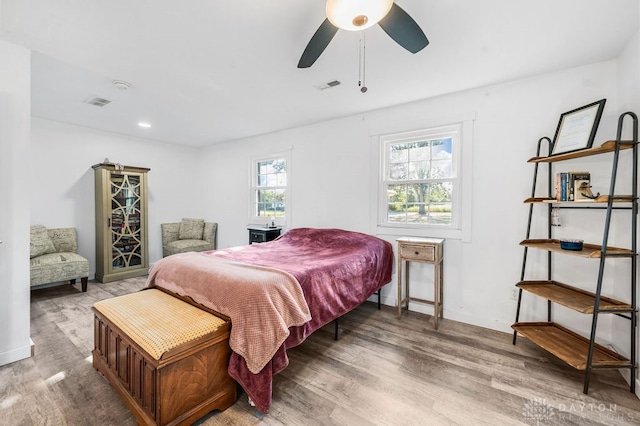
[259,234]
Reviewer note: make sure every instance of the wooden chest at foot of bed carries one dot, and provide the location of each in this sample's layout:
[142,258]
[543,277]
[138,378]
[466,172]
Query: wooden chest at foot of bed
[167,359]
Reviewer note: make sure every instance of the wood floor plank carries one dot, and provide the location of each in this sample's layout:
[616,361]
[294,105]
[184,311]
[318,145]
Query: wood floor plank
[381,371]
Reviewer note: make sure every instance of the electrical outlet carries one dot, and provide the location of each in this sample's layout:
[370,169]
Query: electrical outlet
[514,293]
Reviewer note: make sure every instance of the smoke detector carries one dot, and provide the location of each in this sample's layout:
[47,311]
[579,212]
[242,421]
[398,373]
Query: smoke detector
[121,84]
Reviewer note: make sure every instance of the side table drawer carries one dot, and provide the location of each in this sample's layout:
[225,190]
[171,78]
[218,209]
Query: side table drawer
[257,237]
[417,252]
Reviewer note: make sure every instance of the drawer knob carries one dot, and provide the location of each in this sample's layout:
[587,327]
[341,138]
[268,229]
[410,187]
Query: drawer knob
[417,252]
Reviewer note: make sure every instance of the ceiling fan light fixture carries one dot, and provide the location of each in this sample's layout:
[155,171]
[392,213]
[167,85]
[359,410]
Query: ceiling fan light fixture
[356,15]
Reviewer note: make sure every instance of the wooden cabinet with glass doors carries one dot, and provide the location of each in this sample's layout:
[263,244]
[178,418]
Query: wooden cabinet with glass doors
[121,222]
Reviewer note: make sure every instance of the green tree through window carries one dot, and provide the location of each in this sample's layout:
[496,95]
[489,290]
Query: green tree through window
[270,189]
[419,177]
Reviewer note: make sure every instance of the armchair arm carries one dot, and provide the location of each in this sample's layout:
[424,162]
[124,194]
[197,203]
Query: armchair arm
[209,234]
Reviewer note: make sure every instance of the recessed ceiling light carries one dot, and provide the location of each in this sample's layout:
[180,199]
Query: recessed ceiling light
[144,124]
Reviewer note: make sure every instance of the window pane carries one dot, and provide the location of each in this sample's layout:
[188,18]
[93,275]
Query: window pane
[398,153]
[272,173]
[420,151]
[397,193]
[398,171]
[419,170]
[442,165]
[271,203]
[441,192]
[420,203]
[396,213]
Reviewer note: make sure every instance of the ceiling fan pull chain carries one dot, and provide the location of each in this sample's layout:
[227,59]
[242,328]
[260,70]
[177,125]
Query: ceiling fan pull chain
[360,60]
[362,63]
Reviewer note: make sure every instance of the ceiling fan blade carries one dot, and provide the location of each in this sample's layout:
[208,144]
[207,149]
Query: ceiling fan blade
[403,29]
[317,44]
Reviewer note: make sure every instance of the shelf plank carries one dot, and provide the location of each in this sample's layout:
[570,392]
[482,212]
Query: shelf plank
[599,200]
[570,347]
[571,297]
[608,146]
[539,200]
[592,251]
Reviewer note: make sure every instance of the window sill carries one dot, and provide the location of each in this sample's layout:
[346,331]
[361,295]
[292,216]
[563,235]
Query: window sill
[405,231]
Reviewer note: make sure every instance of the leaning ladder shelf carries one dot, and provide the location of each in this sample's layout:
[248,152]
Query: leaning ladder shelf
[583,353]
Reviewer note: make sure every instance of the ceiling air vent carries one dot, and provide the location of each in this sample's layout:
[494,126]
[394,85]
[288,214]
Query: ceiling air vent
[328,85]
[97,101]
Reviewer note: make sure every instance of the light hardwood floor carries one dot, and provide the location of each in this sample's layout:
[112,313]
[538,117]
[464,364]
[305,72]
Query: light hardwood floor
[381,371]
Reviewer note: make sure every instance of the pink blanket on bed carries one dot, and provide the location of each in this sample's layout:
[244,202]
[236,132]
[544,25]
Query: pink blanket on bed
[337,271]
[261,302]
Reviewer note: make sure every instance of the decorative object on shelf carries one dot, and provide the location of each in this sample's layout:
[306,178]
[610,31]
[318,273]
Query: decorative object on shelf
[583,191]
[583,352]
[569,244]
[555,216]
[577,128]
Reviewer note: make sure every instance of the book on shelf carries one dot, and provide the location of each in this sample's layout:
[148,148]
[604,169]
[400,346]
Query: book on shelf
[582,186]
[561,186]
[570,186]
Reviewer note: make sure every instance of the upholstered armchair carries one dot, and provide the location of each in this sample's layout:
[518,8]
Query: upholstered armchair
[54,257]
[188,235]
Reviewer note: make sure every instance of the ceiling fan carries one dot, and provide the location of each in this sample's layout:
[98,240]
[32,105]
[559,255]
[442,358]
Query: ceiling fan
[355,15]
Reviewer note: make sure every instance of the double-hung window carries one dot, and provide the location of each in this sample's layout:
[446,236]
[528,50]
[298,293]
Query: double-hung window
[269,189]
[420,179]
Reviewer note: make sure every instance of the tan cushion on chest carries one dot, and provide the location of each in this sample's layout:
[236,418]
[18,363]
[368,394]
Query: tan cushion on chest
[157,321]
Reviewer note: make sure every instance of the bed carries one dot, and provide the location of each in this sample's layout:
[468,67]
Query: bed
[278,293]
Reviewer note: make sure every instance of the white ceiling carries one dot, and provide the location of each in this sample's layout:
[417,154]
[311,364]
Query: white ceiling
[208,71]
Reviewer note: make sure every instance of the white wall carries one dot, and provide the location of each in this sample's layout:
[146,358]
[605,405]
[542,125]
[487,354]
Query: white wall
[333,184]
[62,180]
[15,113]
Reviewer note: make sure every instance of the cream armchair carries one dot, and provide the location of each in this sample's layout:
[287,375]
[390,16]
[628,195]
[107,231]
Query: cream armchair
[188,235]
[54,257]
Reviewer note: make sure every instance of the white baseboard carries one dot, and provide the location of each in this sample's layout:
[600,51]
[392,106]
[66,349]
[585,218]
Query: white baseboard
[16,354]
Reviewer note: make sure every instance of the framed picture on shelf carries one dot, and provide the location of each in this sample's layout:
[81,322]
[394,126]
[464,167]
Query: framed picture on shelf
[577,128]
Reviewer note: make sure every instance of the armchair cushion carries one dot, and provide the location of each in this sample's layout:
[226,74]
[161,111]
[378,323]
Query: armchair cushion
[57,267]
[40,242]
[181,246]
[191,229]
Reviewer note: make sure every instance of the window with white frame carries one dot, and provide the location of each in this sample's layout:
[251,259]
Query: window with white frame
[420,182]
[269,185]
